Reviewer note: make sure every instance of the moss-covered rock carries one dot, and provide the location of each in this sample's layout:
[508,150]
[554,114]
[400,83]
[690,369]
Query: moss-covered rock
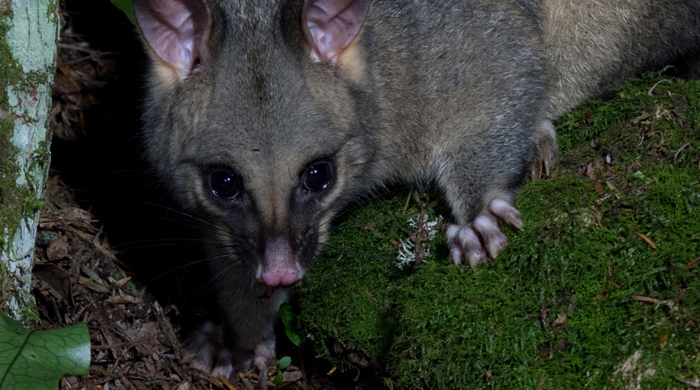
[600,289]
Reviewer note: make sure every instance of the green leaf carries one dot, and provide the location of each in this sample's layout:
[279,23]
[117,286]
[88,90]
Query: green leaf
[37,359]
[286,314]
[278,378]
[285,362]
[293,336]
[126,7]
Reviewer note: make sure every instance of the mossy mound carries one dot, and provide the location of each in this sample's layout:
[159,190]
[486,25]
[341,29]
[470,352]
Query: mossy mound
[600,289]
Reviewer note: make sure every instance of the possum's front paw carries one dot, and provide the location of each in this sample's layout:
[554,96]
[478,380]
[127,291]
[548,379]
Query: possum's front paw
[207,351]
[483,238]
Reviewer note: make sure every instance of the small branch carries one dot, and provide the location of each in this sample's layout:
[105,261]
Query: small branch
[126,343]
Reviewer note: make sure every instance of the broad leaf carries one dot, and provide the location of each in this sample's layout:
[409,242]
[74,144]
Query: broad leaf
[37,359]
[126,7]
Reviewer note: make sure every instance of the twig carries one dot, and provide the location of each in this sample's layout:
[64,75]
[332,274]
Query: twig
[126,343]
[226,383]
[408,200]
[76,48]
[679,151]
[419,231]
[687,383]
[81,59]
[661,81]
[540,382]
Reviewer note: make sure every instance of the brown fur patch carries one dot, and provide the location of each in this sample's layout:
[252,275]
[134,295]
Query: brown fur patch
[352,62]
[166,76]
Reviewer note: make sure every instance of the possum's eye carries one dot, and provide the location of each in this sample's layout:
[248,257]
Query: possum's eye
[316,177]
[225,184]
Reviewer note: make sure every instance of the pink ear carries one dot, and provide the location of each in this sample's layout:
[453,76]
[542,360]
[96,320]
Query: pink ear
[176,30]
[331,25]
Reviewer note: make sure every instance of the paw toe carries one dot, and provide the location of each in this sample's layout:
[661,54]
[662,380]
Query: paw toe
[482,239]
[491,236]
[465,245]
[505,211]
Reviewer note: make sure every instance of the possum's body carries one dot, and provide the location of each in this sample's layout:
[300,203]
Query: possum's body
[267,118]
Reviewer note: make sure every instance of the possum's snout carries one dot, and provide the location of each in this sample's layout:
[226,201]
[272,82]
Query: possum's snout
[280,277]
[280,264]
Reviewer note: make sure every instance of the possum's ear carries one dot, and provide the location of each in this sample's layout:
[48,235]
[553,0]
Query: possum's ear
[330,26]
[176,31]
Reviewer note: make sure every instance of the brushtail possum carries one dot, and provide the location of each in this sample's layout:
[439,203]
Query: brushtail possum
[266,118]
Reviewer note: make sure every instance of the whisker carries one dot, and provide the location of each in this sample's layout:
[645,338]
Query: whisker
[162,207]
[203,260]
[222,272]
[170,242]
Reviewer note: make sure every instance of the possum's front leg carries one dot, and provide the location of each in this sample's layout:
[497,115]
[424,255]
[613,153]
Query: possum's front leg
[207,350]
[480,181]
[480,176]
[246,339]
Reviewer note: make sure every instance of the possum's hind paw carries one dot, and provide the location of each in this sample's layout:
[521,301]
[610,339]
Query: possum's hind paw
[482,239]
[206,351]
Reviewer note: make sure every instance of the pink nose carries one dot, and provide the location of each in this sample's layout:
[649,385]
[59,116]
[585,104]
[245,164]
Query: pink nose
[280,277]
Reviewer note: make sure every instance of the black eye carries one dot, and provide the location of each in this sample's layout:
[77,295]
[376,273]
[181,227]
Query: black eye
[225,184]
[316,177]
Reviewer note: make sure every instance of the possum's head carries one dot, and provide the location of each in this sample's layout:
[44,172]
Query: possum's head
[252,120]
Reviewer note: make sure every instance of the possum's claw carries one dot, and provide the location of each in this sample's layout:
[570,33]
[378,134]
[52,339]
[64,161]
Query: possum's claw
[207,352]
[547,154]
[483,238]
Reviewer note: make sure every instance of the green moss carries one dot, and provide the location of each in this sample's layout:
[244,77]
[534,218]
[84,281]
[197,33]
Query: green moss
[354,311]
[560,308]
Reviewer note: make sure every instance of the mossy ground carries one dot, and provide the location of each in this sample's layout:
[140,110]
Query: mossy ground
[600,289]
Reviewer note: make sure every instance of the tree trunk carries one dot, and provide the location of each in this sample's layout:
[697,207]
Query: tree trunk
[28,33]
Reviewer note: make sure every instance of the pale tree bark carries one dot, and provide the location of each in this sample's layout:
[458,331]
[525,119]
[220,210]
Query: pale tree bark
[28,33]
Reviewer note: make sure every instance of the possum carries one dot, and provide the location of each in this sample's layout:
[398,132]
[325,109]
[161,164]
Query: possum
[267,118]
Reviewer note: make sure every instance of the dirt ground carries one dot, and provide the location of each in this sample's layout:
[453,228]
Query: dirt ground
[110,249]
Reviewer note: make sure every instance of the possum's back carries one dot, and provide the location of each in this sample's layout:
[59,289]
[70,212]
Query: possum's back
[593,46]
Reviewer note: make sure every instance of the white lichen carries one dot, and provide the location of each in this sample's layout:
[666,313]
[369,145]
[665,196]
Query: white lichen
[427,231]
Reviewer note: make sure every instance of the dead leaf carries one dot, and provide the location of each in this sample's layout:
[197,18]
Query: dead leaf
[291,376]
[643,299]
[646,239]
[599,188]
[58,249]
[692,263]
[560,319]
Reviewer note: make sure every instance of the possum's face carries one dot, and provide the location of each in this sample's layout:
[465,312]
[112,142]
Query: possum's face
[246,141]
[269,174]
